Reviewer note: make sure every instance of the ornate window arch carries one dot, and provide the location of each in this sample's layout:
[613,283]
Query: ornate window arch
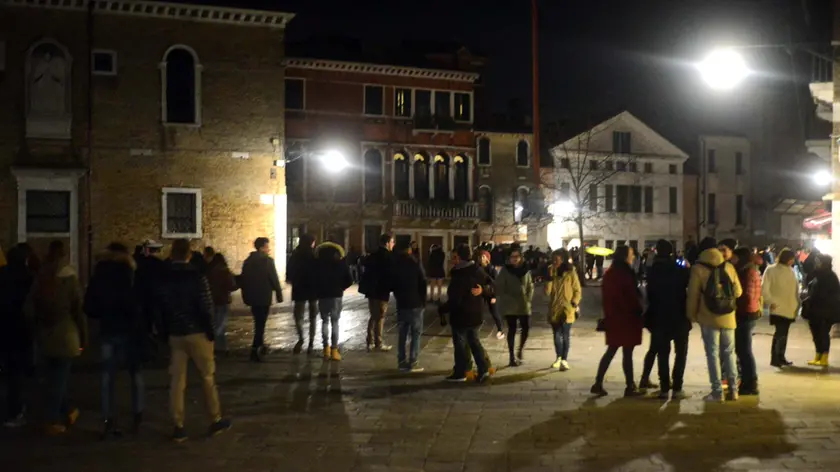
[49,67]
[402,175]
[523,153]
[486,204]
[180,94]
[483,151]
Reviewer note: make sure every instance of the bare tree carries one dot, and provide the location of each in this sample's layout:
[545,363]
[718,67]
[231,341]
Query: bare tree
[576,185]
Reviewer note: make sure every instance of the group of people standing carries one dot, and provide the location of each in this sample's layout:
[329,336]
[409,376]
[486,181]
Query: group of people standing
[137,300]
[723,291]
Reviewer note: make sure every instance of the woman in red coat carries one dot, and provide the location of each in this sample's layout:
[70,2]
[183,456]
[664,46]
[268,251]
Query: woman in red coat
[622,319]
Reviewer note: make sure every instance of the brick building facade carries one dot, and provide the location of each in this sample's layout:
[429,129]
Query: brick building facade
[407,133]
[134,120]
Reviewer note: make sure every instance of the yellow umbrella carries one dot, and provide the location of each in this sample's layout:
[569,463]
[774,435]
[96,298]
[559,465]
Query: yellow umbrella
[599,251]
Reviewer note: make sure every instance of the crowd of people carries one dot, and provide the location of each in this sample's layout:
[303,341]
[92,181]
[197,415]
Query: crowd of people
[186,297]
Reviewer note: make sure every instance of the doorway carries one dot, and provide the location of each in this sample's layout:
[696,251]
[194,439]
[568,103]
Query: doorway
[425,248]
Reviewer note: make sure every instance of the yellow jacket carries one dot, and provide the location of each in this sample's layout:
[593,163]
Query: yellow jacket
[695,306]
[564,296]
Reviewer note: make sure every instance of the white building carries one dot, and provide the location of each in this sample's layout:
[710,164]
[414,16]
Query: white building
[623,180]
[724,193]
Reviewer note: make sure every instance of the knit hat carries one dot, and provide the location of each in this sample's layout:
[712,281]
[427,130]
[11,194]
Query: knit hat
[664,248]
[707,243]
[729,242]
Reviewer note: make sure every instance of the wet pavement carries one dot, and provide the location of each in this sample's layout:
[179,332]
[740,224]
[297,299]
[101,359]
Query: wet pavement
[300,413]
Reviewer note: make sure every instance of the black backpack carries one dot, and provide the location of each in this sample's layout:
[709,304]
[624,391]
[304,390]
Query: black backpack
[719,293]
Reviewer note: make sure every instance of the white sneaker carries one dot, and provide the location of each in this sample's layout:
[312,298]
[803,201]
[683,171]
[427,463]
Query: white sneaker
[16,422]
[564,365]
[558,363]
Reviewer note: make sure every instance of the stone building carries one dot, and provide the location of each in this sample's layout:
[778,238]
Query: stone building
[506,184]
[403,122]
[141,120]
[724,192]
[624,180]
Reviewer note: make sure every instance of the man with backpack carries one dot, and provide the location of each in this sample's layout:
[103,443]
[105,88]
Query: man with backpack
[713,289]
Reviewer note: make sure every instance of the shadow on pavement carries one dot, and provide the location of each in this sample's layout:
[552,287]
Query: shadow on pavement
[624,431]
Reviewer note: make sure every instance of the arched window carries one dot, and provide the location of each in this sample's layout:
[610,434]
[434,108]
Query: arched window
[421,176]
[181,79]
[522,151]
[373,176]
[441,169]
[461,178]
[401,176]
[483,151]
[48,90]
[520,206]
[485,203]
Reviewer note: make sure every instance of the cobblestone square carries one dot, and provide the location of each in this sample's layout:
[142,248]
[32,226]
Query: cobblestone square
[299,413]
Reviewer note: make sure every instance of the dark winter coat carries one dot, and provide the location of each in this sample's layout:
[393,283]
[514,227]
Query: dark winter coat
[259,281]
[148,278]
[622,308]
[823,299]
[408,282]
[301,273]
[186,302]
[377,268]
[465,309]
[15,282]
[437,262]
[222,282]
[666,292]
[111,297]
[332,273]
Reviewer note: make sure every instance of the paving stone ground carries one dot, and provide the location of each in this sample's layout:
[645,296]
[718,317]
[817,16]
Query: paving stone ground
[299,413]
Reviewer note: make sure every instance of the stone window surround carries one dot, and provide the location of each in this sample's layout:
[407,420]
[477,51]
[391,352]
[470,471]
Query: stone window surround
[50,180]
[410,154]
[196,87]
[528,155]
[198,212]
[489,151]
[53,127]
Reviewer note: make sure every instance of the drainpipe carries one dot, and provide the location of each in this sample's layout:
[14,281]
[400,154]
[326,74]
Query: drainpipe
[89,139]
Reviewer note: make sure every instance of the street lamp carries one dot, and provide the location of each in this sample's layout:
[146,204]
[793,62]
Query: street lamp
[823,178]
[723,69]
[562,208]
[333,160]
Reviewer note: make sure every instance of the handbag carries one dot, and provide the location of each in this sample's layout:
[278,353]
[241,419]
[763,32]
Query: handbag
[601,326]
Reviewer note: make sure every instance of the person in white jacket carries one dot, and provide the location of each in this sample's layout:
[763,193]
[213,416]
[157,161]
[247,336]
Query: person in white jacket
[780,290]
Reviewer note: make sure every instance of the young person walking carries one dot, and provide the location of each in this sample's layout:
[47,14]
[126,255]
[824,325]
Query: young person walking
[259,284]
[780,289]
[564,295]
[410,288]
[514,292]
[333,279]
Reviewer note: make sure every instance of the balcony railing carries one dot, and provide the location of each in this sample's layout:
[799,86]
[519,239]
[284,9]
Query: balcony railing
[444,211]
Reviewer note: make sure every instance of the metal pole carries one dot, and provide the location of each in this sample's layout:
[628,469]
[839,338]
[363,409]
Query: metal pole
[536,91]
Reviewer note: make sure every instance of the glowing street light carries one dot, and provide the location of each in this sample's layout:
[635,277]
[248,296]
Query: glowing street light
[563,208]
[723,69]
[823,178]
[334,161]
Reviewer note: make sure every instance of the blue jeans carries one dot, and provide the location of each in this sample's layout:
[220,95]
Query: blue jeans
[330,314]
[120,351]
[410,323]
[461,337]
[720,349]
[562,335]
[744,351]
[58,374]
[220,317]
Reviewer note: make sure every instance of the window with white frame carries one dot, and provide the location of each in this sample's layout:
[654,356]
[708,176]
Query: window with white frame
[181,78]
[374,100]
[103,62]
[182,213]
[47,211]
[463,107]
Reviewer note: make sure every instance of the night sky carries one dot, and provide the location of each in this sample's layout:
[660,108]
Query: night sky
[599,57]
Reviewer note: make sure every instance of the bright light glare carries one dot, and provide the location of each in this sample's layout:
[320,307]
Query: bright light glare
[823,245]
[334,160]
[562,208]
[723,69]
[823,178]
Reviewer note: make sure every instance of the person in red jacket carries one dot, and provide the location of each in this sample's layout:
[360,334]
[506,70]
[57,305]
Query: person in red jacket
[622,319]
[748,311]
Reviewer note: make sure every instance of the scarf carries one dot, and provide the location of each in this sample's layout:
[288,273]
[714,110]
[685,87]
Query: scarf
[519,271]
